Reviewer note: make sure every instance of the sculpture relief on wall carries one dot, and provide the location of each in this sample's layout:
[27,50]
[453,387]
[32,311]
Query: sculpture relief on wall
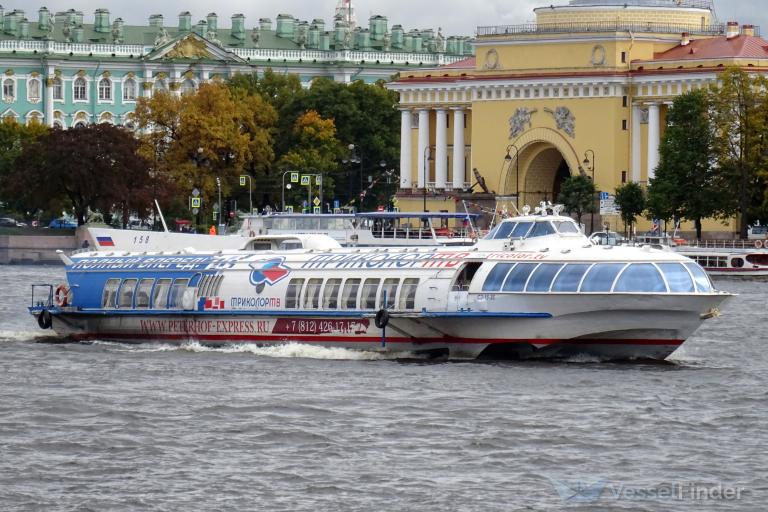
[564,120]
[520,119]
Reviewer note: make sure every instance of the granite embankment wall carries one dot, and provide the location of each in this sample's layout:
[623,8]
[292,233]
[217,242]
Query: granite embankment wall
[34,249]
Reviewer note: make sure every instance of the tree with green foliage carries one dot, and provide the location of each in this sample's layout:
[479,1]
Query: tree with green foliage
[14,137]
[687,182]
[630,198]
[739,114]
[93,168]
[577,194]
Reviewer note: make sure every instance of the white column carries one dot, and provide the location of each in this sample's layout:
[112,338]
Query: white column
[441,149]
[406,156]
[458,149]
[423,166]
[654,137]
[48,82]
[636,143]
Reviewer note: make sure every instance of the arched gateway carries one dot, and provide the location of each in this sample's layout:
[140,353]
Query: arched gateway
[546,160]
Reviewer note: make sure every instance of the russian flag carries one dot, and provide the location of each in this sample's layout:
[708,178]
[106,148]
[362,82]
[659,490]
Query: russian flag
[105,241]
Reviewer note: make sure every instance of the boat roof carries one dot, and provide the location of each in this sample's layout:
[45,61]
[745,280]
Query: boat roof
[417,215]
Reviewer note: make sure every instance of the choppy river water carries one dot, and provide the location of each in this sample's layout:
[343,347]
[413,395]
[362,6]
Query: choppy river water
[117,427]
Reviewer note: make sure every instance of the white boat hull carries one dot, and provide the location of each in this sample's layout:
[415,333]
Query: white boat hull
[633,328]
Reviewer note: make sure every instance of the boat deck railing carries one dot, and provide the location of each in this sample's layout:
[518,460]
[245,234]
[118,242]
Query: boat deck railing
[420,233]
[726,244]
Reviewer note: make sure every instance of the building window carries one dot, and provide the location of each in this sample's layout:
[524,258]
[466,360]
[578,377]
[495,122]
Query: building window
[33,90]
[624,124]
[187,87]
[129,90]
[80,90]
[160,86]
[625,101]
[9,89]
[58,124]
[623,176]
[58,89]
[623,57]
[105,89]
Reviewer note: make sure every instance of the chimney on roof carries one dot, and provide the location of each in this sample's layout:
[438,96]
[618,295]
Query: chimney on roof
[238,27]
[43,18]
[732,30]
[213,21]
[748,30]
[156,20]
[686,40]
[185,21]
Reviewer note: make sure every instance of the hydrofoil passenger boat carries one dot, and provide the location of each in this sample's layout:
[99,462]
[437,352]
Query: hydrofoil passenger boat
[535,287]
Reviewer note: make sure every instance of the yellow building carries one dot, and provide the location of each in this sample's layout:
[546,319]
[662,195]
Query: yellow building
[583,90]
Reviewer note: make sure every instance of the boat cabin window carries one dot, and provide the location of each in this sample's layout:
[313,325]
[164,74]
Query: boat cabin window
[293,293]
[261,246]
[143,293]
[176,298]
[331,294]
[542,278]
[388,293]
[312,293]
[569,279]
[518,277]
[678,278]
[290,245]
[109,295]
[349,295]
[502,231]
[408,293]
[542,229]
[521,229]
[125,299]
[641,277]
[368,297]
[160,294]
[703,284]
[496,277]
[565,226]
[600,277]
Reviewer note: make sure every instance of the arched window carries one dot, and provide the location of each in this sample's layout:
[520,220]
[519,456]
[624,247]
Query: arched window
[58,124]
[9,89]
[160,86]
[33,90]
[34,117]
[106,118]
[129,90]
[129,125]
[80,124]
[58,89]
[187,87]
[105,89]
[80,89]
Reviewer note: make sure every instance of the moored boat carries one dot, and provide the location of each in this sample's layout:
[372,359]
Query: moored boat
[535,287]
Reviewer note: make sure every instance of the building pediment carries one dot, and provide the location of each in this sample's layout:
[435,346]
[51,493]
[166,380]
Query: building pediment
[193,47]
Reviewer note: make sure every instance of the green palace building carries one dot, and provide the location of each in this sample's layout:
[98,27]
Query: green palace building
[62,71]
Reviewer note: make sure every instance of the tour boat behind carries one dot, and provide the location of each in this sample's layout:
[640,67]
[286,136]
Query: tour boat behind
[534,287]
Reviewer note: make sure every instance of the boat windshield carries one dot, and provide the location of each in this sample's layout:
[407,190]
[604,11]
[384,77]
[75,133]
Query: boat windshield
[565,226]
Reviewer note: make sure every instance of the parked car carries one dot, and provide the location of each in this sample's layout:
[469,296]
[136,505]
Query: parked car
[7,222]
[62,224]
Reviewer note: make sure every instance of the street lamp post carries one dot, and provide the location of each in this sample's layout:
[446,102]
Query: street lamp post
[590,165]
[507,158]
[218,184]
[283,187]
[356,157]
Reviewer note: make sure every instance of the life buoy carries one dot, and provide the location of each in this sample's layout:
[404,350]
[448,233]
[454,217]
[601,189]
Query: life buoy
[758,244]
[382,318]
[62,296]
[44,319]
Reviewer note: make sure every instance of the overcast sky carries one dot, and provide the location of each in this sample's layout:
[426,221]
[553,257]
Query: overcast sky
[459,17]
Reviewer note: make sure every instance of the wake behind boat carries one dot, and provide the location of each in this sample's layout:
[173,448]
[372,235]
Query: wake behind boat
[535,287]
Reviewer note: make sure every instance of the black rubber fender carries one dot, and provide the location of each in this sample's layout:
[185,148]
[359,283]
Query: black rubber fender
[382,318]
[44,319]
